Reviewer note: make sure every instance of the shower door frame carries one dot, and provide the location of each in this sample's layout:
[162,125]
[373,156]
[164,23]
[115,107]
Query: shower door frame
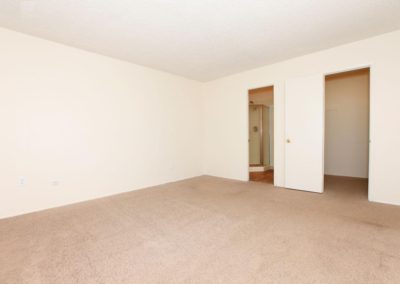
[261,134]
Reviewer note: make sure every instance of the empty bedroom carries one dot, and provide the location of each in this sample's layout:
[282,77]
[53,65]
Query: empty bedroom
[199,141]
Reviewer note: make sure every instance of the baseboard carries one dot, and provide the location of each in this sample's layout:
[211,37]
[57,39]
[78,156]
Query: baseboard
[68,203]
[349,177]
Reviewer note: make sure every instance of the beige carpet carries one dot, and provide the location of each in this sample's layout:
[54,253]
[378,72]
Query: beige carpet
[208,230]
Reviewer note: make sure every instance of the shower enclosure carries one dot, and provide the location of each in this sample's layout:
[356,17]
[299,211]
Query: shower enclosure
[260,130]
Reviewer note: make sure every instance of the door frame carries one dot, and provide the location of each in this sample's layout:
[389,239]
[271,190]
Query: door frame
[248,121]
[370,116]
[261,134]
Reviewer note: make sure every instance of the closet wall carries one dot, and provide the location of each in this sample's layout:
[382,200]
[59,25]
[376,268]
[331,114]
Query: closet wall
[347,124]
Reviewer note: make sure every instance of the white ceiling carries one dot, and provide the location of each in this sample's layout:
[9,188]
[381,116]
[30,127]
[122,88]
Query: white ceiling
[202,39]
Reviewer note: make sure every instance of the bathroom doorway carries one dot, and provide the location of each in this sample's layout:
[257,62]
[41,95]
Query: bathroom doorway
[261,134]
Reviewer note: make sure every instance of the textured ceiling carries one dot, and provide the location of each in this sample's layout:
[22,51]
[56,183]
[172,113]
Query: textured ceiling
[202,39]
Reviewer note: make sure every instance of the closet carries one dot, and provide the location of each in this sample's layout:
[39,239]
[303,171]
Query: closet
[326,128]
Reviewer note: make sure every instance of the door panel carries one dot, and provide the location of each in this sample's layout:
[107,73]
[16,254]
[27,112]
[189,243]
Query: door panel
[254,135]
[304,127]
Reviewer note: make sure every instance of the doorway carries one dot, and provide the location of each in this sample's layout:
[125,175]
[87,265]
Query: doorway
[347,104]
[261,134]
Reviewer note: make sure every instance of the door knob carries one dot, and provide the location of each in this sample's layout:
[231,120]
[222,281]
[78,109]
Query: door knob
[287,140]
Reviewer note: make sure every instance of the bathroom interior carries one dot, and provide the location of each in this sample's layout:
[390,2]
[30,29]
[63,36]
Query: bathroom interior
[261,134]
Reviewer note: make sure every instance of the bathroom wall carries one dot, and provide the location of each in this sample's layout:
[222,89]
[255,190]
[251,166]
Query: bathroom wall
[264,96]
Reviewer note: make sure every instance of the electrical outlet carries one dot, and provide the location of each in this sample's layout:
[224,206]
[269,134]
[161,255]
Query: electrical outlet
[55,183]
[21,180]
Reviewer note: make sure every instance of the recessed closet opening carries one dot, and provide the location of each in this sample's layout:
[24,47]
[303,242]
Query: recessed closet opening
[347,132]
[261,134]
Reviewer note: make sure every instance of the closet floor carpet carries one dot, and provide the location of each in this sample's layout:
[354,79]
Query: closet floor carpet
[208,230]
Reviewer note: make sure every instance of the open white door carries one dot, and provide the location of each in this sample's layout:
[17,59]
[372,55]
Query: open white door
[304,119]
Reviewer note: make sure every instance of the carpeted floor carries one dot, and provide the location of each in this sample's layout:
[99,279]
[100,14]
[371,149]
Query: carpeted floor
[208,230]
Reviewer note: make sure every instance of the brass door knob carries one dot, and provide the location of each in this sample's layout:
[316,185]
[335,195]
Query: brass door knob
[287,140]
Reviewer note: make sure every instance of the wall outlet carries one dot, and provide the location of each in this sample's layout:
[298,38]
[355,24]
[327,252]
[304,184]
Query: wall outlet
[21,180]
[55,183]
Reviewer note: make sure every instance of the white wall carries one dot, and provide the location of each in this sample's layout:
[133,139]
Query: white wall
[100,126]
[347,124]
[225,129]
[96,125]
